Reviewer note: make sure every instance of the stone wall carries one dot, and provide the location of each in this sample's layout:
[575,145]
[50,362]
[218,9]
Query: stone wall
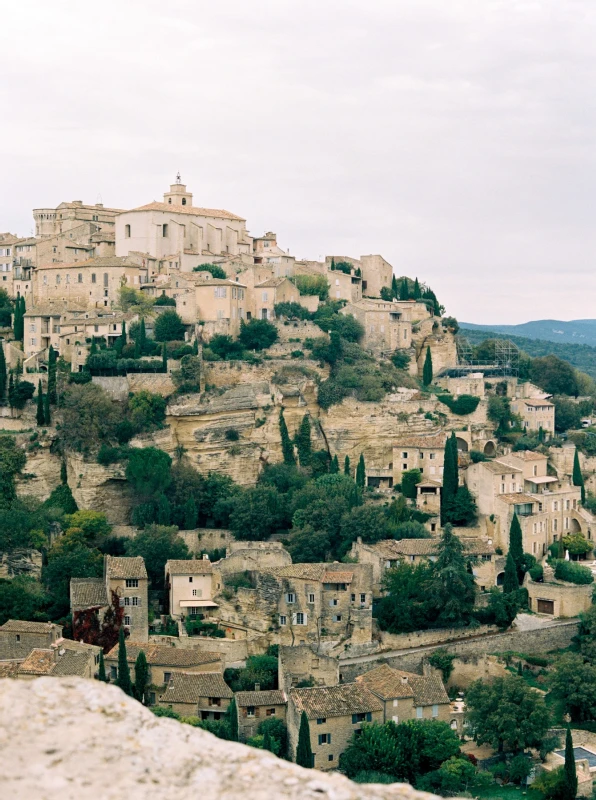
[154,382]
[302,330]
[114,385]
[405,641]
[467,669]
[206,539]
[233,373]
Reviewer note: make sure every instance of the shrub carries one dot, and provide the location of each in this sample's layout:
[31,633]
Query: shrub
[572,572]
[476,456]
[196,627]
[461,405]
[536,573]
[164,300]
[258,334]
[147,410]
[185,350]
[169,327]
[232,435]
[79,377]
[409,480]
[400,359]
[215,270]
[110,455]
[291,311]
[312,285]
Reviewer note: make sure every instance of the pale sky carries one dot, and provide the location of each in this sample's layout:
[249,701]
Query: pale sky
[455,137]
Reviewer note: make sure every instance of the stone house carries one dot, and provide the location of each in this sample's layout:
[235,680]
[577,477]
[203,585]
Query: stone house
[219,304]
[426,453]
[387,325]
[535,413]
[163,661]
[266,251]
[197,694]
[19,637]
[557,598]
[272,291]
[428,499]
[188,587]
[406,695]
[68,216]
[303,664]
[58,662]
[389,553]
[325,601]
[335,714]
[254,707]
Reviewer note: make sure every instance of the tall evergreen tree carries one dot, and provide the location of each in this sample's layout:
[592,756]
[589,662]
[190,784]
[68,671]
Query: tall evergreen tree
[63,474]
[40,416]
[101,672]
[570,785]
[123,333]
[3,374]
[52,395]
[190,514]
[93,348]
[510,581]
[304,756]
[427,370]
[516,547]
[451,589]
[361,472]
[267,743]
[123,680]
[578,478]
[232,715]
[404,292]
[164,358]
[394,288]
[417,294]
[164,510]
[143,336]
[16,319]
[303,442]
[332,263]
[347,470]
[450,478]
[47,417]
[286,443]
[138,352]
[334,467]
[141,677]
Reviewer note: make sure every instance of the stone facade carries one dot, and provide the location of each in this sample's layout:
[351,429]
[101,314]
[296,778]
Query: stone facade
[304,664]
[188,586]
[18,638]
[254,707]
[558,598]
[198,694]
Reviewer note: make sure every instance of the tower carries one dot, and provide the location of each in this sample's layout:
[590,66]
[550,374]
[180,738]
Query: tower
[178,196]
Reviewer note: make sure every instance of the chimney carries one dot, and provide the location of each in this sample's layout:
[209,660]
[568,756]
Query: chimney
[404,680]
[205,556]
[257,687]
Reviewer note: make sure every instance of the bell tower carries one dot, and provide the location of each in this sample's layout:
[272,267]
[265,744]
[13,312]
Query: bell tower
[178,196]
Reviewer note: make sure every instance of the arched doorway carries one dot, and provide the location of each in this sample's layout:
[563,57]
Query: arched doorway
[500,578]
[462,445]
[490,449]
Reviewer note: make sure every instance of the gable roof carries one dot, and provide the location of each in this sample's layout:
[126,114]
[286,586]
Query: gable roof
[388,683]
[88,592]
[271,697]
[337,577]
[516,498]
[119,567]
[70,662]
[389,548]
[189,687]
[196,210]
[335,701]
[100,262]
[189,566]
[166,656]
[23,626]
[432,442]
[499,467]
[38,662]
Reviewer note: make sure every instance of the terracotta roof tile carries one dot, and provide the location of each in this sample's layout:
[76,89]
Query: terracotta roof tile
[390,683]
[432,442]
[189,687]
[71,663]
[391,549]
[38,662]
[199,212]
[311,572]
[337,577]
[166,656]
[499,467]
[516,498]
[23,626]
[335,701]
[123,567]
[189,566]
[100,262]
[9,669]
[88,592]
[272,697]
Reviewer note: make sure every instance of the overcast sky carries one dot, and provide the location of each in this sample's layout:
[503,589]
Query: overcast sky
[454,137]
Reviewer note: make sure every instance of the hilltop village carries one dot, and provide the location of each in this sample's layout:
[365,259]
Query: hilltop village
[285,501]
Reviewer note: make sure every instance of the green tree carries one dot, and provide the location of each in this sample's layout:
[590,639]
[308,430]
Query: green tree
[347,470]
[394,288]
[52,366]
[450,478]
[142,336]
[147,410]
[417,294]
[123,680]
[169,327]
[62,498]
[190,514]
[361,473]
[409,480]
[17,320]
[141,677]
[148,471]
[312,285]
[258,334]
[554,375]
[232,716]
[257,513]
[47,415]
[463,510]
[334,466]
[40,416]
[287,448]
[516,548]
[451,589]
[303,442]
[3,374]
[510,582]
[215,270]
[570,773]
[88,415]
[164,510]
[101,672]
[304,756]
[427,370]
[586,634]
[404,292]
[507,714]
[157,544]
[578,478]
[573,684]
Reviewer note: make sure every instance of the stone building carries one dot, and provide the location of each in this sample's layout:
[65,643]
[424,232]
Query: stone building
[266,251]
[19,637]
[425,453]
[406,695]
[68,216]
[536,414]
[335,714]
[254,707]
[557,598]
[388,325]
[189,587]
[217,303]
[197,694]
[302,663]
[325,601]
[58,662]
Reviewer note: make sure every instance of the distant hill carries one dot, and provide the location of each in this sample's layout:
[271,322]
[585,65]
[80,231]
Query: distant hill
[581,356]
[577,331]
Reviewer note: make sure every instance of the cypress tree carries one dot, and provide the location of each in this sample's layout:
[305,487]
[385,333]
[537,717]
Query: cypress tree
[334,468]
[164,510]
[361,473]
[195,347]
[347,466]
[394,288]
[141,677]
[164,358]
[516,547]
[427,370]
[2,372]
[520,668]
[578,478]
[53,397]
[22,320]
[93,348]
[510,581]
[101,672]
[450,478]
[303,442]
[417,294]
[47,417]
[304,756]
[142,337]
[40,417]
[123,680]
[11,390]
[63,474]
[570,786]
[190,514]
[137,347]
[404,293]
[123,334]
[267,743]
[232,714]
[16,319]
[332,263]
[286,444]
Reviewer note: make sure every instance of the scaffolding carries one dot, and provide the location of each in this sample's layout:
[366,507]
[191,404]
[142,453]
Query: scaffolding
[504,363]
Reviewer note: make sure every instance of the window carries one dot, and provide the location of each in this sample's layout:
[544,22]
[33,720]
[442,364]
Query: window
[324,738]
[132,583]
[136,601]
[419,712]
[364,717]
[220,291]
[215,701]
[80,277]
[194,592]
[264,297]
[250,711]
[290,597]
[300,618]
[167,677]
[395,704]
[311,598]
[127,621]
[337,617]
[270,712]
[321,720]
[33,341]
[93,277]
[404,455]
[105,279]
[113,673]
[184,201]
[18,637]
[431,456]
[329,757]
[333,602]
[283,620]
[353,598]
[435,711]
[127,231]
[57,280]
[127,601]
[164,230]
[32,328]
[190,579]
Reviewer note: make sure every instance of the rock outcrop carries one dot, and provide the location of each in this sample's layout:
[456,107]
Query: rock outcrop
[74,739]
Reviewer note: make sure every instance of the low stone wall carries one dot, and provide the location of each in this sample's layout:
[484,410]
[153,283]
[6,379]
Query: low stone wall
[206,539]
[298,330]
[405,641]
[154,382]
[114,385]
[232,373]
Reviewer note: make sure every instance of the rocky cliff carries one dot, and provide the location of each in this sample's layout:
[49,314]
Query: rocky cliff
[73,739]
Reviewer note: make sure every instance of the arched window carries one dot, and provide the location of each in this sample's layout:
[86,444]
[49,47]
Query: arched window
[184,201]
[127,231]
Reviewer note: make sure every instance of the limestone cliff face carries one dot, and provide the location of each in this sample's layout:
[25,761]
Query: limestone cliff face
[76,739]
[21,562]
[100,488]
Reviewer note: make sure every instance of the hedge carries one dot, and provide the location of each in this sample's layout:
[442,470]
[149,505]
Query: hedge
[572,572]
[461,405]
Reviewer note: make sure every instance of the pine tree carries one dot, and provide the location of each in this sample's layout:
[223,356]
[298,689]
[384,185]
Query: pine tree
[53,397]
[516,547]
[190,514]
[347,470]
[361,473]
[164,358]
[417,294]
[286,444]
[451,588]
[450,478]
[142,337]
[303,442]
[510,580]
[63,474]
[2,373]
[334,468]
[40,417]
[427,370]
[578,478]
[232,715]
[141,677]
[47,417]
[520,666]
[123,680]
[101,672]
[304,756]
[570,786]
